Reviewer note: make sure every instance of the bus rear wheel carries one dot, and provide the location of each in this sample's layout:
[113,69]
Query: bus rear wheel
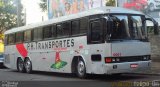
[20,65]
[28,65]
[81,69]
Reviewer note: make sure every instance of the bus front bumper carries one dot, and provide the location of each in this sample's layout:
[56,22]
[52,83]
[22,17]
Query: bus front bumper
[128,67]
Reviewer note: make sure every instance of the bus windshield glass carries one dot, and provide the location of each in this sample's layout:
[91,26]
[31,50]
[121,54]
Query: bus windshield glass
[128,28]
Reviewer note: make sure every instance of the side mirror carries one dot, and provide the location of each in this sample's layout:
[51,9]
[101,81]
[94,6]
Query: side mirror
[156,27]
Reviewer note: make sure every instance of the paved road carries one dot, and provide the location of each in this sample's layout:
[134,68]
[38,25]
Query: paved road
[64,79]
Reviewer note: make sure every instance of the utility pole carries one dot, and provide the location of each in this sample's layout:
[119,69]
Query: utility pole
[116,3]
[19,13]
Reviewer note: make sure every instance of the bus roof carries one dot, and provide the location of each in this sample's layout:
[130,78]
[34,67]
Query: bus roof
[100,10]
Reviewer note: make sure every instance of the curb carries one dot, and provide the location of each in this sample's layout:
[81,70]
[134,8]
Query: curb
[153,74]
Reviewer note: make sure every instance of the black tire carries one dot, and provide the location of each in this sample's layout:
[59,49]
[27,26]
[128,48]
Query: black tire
[1,65]
[117,74]
[20,65]
[28,65]
[81,69]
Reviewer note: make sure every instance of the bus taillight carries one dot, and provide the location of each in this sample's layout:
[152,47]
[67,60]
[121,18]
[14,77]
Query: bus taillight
[112,60]
[108,60]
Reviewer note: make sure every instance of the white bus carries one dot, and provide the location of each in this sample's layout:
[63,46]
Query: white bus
[106,40]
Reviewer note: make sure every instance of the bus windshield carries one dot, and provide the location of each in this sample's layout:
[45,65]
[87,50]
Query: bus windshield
[128,28]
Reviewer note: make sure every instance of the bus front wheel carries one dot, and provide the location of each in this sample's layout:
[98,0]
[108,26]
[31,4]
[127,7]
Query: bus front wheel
[28,65]
[81,69]
[20,65]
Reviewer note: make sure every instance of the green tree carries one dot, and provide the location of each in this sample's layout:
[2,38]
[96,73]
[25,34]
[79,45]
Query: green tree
[111,3]
[8,15]
[43,5]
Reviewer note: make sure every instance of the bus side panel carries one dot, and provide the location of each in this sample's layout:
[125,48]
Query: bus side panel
[97,67]
[10,60]
[46,61]
[35,58]
[50,57]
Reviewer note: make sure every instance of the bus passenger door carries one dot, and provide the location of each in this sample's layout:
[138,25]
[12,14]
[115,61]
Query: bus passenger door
[95,33]
[95,41]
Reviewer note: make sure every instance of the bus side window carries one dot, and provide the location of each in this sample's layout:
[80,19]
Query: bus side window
[96,31]
[37,34]
[19,37]
[54,31]
[47,32]
[34,33]
[11,39]
[59,30]
[27,36]
[63,29]
[40,34]
[75,27]
[83,25]
[66,28]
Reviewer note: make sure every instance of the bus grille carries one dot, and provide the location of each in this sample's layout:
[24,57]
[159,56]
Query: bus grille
[128,59]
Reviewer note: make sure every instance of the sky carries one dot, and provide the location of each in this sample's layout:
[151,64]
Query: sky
[33,11]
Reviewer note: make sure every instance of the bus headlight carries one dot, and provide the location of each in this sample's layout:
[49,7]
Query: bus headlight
[145,58]
[117,59]
[113,59]
[148,57]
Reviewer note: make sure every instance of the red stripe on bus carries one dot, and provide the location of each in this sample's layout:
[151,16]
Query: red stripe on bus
[22,50]
[57,57]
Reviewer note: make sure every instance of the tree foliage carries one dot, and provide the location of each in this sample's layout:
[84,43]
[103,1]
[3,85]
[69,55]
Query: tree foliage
[111,3]
[43,5]
[7,15]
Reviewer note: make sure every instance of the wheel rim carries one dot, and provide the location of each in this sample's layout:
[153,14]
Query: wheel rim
[81,68]
[28,65]
[20,65]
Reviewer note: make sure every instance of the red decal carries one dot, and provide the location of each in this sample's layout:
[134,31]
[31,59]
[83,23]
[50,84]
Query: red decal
[81,47]
[57,57]
[22,50]
[117,54]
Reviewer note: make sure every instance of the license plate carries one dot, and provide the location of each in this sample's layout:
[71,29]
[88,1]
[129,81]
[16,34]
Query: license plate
[134,65]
